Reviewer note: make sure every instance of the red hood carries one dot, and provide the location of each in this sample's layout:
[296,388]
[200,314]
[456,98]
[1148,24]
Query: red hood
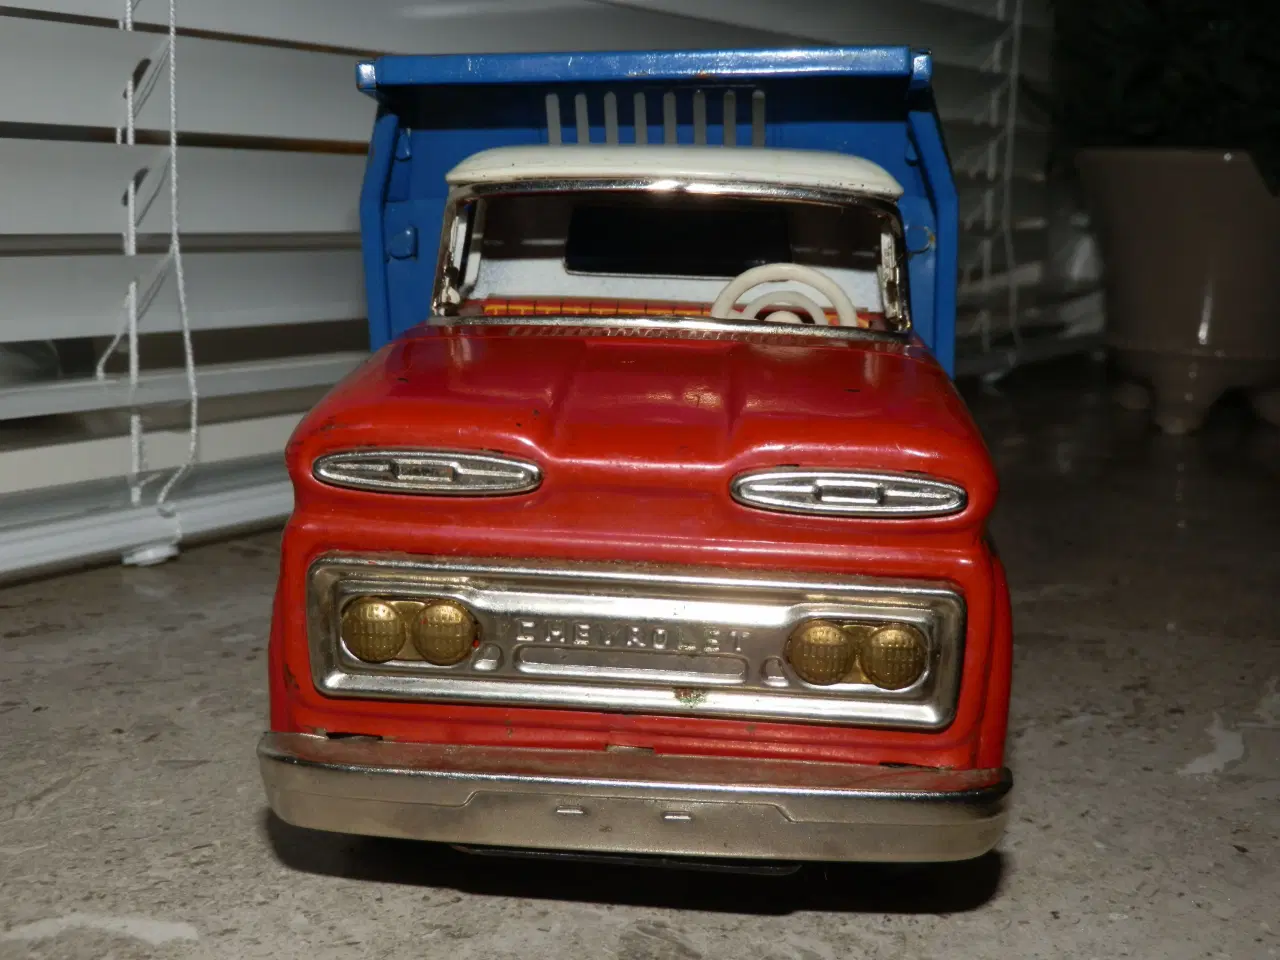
[653,416]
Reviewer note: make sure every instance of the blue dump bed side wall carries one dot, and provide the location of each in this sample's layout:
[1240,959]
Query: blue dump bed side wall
[434,111]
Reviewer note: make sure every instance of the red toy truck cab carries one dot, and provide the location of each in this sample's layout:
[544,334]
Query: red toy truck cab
[663,535]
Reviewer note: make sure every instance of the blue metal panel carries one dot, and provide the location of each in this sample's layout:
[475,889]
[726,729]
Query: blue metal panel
[652,66]
[437,110]
[944,264]
[373,198]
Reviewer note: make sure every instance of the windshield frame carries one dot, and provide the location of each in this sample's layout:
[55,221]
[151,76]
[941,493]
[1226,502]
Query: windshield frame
[462,197]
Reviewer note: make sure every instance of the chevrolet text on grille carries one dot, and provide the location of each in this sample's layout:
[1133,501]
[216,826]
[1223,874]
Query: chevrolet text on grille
[678,638]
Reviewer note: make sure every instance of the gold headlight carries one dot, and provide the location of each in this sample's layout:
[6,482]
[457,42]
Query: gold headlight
[821,652]
[894,656]
[372,630]
[444,632]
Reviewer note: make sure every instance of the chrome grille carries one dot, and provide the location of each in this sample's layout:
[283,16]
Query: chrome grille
[650,640]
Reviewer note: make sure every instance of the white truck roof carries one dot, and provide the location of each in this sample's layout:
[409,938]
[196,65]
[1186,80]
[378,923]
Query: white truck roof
[760,165]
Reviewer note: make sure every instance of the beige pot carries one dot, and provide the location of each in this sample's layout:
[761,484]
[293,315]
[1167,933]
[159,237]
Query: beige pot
[1191,243]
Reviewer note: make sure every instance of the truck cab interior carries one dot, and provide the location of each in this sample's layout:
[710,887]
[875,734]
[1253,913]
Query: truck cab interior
[594,252]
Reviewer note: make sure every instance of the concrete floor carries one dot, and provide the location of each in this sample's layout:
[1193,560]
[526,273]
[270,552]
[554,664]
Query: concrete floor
[1145,741]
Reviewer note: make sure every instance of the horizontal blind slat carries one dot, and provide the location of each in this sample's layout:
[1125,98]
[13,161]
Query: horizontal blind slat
[83,72]
[248,89]
[979,149]
[954,36]
[79,461]
[74,187]
[968,94]
[81,296]
[170,386]
[1035,13]
[1030,246]
[982,203]
[48,529]
[393,26]
[227,88]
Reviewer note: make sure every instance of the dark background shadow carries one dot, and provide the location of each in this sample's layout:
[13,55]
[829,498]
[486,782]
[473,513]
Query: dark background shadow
[844,888]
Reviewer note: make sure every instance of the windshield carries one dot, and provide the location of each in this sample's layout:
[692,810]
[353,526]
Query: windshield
[646,253]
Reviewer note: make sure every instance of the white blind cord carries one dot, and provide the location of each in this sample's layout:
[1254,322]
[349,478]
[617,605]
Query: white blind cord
[175,254]
[1010,158]
[131,305]
[137,459]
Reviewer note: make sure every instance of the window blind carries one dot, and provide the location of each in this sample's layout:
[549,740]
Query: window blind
[270,137]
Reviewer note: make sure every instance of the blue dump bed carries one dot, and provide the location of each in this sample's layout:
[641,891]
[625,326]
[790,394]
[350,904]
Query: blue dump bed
[873,102]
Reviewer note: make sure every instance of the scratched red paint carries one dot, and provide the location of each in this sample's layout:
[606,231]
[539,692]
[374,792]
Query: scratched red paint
[638,440]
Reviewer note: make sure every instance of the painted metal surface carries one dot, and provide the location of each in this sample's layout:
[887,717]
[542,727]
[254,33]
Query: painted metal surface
[638,433]
[824,170]
[651,66]
[685,806]
[639,439]
[875,103]
[647,404]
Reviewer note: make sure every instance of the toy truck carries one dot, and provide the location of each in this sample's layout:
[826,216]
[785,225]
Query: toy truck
[654,525]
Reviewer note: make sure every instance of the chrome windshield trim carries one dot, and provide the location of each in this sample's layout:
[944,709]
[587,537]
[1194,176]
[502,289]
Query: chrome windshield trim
[440,473]
[705,187]
[847,493]
[691,328]
[638,639]
[886,210]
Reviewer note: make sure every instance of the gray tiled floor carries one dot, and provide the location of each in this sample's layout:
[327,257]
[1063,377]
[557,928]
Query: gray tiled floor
[1146,743]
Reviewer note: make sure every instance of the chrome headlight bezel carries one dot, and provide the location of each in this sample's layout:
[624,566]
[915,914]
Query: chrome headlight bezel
[837,492]
[428,472]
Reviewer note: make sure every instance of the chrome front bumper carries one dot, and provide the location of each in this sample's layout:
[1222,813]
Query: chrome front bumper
[633,802]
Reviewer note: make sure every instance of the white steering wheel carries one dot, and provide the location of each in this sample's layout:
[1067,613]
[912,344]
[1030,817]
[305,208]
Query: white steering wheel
[723,309]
